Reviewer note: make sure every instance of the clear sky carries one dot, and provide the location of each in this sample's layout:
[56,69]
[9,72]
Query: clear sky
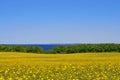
[59,21]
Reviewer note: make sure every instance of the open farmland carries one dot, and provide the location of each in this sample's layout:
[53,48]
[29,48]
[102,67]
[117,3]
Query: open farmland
[83,66]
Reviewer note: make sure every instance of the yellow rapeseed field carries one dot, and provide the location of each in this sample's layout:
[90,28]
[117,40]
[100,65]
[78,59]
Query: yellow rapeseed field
[79,66]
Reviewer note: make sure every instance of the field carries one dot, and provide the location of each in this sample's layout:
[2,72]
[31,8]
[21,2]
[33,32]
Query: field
[83,66]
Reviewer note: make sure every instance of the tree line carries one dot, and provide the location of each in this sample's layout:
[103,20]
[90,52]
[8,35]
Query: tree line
[18,48]
[78,48]
[84,48]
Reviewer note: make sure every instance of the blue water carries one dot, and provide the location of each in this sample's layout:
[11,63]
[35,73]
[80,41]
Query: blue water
[45,46]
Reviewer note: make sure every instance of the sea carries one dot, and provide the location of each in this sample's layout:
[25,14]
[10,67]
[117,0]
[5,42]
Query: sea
[44,46]
[47,46]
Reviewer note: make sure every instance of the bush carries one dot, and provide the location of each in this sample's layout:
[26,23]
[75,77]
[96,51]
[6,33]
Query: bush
[82,48]
[17,48]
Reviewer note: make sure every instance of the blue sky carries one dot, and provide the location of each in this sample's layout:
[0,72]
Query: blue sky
[59,21]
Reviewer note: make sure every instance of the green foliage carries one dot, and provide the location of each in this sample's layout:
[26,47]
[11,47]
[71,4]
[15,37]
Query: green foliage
[17,48]
[83,48]
[78,48]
